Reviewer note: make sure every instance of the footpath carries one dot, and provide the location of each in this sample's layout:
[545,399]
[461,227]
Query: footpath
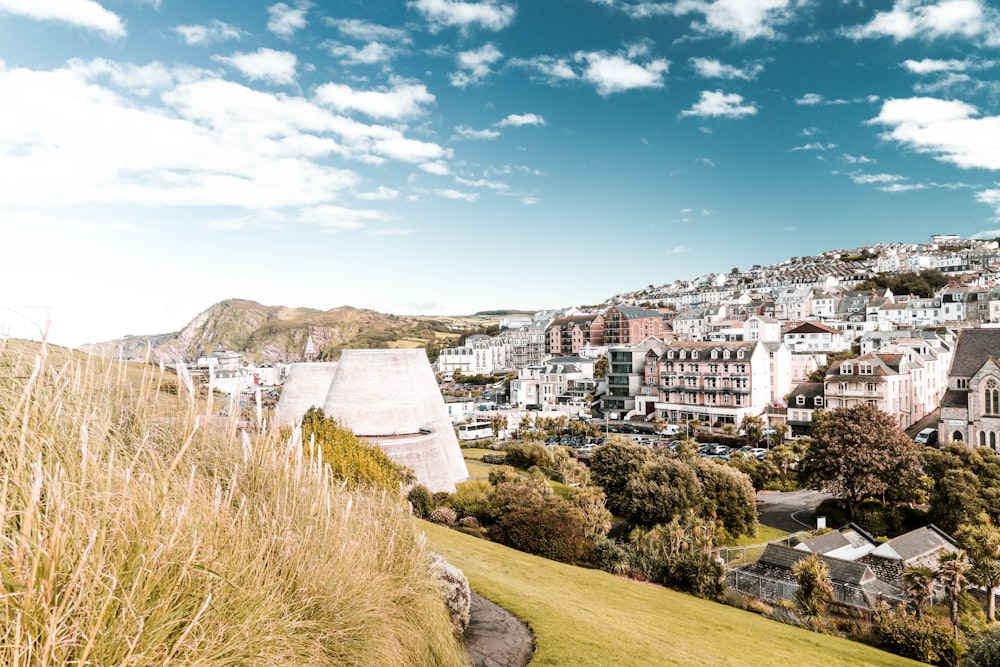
[495,637]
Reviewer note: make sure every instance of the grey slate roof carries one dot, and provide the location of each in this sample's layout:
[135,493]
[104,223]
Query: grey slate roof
[974,347]
[841,571]
[915,544]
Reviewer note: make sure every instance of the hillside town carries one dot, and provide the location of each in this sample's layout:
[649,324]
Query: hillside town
[776,342]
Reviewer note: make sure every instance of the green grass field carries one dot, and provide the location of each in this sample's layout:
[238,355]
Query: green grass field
[586,617]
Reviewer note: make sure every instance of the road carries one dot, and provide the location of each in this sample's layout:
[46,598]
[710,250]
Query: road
[790,512]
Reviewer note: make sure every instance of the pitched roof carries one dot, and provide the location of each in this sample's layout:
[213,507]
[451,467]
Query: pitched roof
[812,327]
[807,389]
[915,544]
[635,313]
[841,571]
[974,347]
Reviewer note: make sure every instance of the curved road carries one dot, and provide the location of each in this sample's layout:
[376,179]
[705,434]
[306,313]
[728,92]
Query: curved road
[791,512]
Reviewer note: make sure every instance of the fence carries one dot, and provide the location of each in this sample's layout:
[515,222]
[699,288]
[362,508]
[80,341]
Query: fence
[736,556]
[768,588]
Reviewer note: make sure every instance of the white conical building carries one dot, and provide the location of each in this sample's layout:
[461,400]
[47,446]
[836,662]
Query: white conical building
[389,397]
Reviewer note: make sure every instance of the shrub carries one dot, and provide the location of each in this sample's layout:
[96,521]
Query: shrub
[456,591]
[927,640]
[421,500]
[470,525]
[548,526]
[527,454]
[445,515]
[985,651]
[495,459]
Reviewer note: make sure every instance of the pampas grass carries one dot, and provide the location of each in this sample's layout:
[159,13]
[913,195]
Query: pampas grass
[135,529]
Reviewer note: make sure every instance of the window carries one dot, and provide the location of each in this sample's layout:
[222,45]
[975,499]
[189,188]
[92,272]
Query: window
[694,354]
[800,400]
[864,369]
[715,354]
[670,354]
[982,438]
[991,397]
[870,387]
[993,440]
[963,383]
[847,369]
[725,354]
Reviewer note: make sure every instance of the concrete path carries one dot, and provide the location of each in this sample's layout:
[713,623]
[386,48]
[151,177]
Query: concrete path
[495,637]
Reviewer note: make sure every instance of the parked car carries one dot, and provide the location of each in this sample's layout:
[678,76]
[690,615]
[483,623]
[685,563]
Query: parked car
[928,437]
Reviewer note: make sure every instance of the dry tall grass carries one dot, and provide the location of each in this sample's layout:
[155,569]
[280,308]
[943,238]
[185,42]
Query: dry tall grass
[131,538]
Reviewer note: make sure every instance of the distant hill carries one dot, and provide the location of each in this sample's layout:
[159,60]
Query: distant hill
[273,334]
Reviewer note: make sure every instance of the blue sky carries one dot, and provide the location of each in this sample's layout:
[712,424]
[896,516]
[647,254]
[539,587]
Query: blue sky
[440,156]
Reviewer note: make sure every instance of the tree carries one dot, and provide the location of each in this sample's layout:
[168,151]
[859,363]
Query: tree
[612,465]
[728,497]
[753,427]
[861,452]
[982,545]
[497,423]
[814,592]
[919,583]
[600,368]
[951,573]
[663,489]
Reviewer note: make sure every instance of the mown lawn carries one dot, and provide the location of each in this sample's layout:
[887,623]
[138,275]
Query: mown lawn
[586,617]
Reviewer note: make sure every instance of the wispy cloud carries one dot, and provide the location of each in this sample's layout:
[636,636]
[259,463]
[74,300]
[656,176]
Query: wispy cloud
[367,31]
[401,100]
[489,14]
[628,69]
[815,146]
[932,66]
[519,120]
[437,168]
[474,66]
[932,20]
[81,13]
[743,20]
[464,132]
[810,99]
[717,104]
[857,159]
[457,194]
[381,193]
[950,130]
[677,250]
[991,197]
[710,68]
[551,69]
[268,65]
[866,179]
[482,183]
[371,53]
[284,20]
[213,32]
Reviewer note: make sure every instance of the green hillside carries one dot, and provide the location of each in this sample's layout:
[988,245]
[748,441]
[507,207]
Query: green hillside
[589,617]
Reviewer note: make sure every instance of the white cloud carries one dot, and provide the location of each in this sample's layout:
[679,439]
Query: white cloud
[932,66]
[707,161]
[949,130]
[367,31]
[474,66]
[212,33]
[529,201]
[437,168]
[463,132]
[933,19]
[616,73]
[990,197]
[371,53]
[403,100]
[810,99]
[456,194]
[857,159]
[381,193]
[331,218]
[553,70]
[519,120]
[284,20]
[867,179]
[81,13]
[488,14]
[903,187]
[87,133]
[743,19]
[677,250]
[276,67]
[483,183]
[815,146]
[714,104]
[710,68]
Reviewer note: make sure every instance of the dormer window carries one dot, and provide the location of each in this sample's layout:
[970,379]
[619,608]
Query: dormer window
[864,369]
[715,354]
[725,354]
[818,401]
[847,369]
[800,400]
[694,354]
[739,354]
[682,354]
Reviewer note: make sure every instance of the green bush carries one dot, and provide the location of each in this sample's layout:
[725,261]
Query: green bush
[495,459]
[421,500]
[985,651]
[527,454]
[550,527]
[927,640]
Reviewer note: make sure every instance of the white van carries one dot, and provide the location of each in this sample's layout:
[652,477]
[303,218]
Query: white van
[670,429]
[929,437]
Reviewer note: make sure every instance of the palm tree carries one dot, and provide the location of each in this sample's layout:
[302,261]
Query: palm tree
[951,573]
[982,545]
[919,580]
[814,591]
